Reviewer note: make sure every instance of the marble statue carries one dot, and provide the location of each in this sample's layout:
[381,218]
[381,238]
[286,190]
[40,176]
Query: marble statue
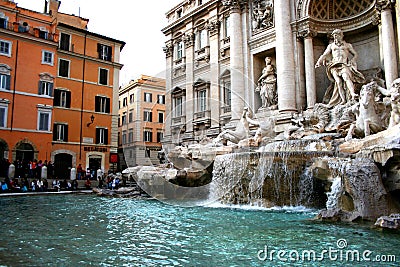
[341,68]
[241,132]
[267,86]
[368,118]
[264,131]
[262,15]
[394,94]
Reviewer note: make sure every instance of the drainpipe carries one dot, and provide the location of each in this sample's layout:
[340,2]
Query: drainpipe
[14,85]
[82,97]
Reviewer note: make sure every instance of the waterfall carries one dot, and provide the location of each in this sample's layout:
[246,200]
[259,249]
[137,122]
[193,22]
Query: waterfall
[334,194]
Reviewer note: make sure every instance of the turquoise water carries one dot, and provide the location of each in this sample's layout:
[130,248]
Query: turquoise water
[85,230]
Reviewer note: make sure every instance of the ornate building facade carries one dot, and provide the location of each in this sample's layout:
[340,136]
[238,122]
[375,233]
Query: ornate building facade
[216,53]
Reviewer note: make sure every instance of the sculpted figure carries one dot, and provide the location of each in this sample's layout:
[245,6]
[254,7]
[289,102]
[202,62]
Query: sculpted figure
[241,132]
[368,120]
[262,15]
[341,68]
[267,85]
[394,94]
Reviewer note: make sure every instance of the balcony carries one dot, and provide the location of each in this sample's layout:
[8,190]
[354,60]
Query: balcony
[202,117]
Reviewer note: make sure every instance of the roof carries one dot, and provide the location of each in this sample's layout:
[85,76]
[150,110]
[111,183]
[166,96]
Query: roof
[92,34]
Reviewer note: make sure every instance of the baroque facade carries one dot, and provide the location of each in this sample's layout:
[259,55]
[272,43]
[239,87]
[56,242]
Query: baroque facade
[216,52]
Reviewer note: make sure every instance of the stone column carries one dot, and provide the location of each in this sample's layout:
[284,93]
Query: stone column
[388,41]
[214,102]
[168,98]
[309,63]
[300,75]
[284,57]
[236,58]
[398,26]
[189,106]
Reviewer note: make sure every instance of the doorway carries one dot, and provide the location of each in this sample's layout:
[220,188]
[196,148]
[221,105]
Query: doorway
[24,152]
[94,165]
[62,165]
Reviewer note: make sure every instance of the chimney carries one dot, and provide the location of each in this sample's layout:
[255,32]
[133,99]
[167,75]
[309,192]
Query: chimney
[53,6]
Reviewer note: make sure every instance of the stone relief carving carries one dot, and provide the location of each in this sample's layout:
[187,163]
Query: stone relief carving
[341,68]
[267,86]
[262,16]
[213,27]
[393,99]
[168,48]
[188,39]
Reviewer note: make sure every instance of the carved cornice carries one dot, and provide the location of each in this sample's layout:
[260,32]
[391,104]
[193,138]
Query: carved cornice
[213,27]
[188,39]
[382,5]
[235,5]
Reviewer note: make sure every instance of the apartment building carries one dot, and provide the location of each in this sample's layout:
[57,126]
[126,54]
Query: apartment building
[141,121]
[59,94]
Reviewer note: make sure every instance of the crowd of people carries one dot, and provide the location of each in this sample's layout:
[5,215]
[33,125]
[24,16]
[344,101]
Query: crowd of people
[25,168]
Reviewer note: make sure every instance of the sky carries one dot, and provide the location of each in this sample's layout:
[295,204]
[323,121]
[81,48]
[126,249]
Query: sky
[136,22]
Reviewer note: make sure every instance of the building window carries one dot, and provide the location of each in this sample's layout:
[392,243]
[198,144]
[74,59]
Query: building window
[203,39]
[227,93]
[43,34]
[161,117]
[160,136]
[147,97]
[105,52]
[103,76]
[202,100]
[148,136]
[60,132]
[178,101]
[179,13]
[102,104]
[130,116]
[44,118]
[123,137]
[227,27]
[130,136]
[63,68]
[124,102]
[47,58]
[5,48]
[5,81]
[161,99]
[147,116]
[65,40]
[123,119]
[102,136]
[3,22]
[131,98]
[179,50]
[62,98]
[3,115]
[45,88]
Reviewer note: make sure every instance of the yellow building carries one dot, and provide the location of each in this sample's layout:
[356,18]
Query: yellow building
[141,121]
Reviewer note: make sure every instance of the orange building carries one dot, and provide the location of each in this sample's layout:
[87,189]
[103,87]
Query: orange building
[58,89]
[141,121]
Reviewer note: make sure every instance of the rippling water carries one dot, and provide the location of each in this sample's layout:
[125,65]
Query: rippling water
[81,230]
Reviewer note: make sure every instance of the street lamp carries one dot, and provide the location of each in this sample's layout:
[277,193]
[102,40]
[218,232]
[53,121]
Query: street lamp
[91,121]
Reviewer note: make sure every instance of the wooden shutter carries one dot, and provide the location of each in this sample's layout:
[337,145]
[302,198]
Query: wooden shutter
[68,100]
[50,89]
[97,135]
[8,82]
[107,105]
[106,136]
[97,104]
[109,53]
[55,132]
[56,100]
[65,133]
[40,91]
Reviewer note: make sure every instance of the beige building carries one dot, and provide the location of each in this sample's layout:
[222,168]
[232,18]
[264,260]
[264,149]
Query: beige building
[216,50]
[141,121]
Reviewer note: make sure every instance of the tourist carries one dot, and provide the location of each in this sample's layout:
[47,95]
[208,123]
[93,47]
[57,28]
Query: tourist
[88,184]
[33,185]
[74,184]
[56,185]
[79,171]
[50,170]
[39,185]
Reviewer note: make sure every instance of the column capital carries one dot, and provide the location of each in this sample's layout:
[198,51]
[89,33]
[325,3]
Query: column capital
[188,39]
[235,6]
[168,48]
[382,5]
[213,27]
[307,33]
